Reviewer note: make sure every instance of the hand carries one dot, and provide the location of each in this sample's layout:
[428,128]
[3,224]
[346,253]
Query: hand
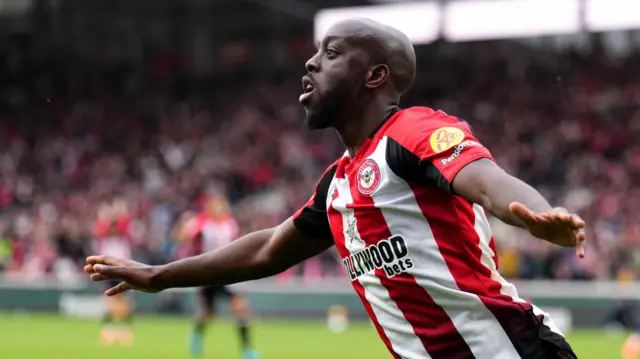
[557,226]
[134,275]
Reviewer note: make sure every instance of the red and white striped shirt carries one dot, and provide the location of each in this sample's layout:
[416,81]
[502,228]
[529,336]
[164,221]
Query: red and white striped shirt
[421,258]
[113,238]
[206,233]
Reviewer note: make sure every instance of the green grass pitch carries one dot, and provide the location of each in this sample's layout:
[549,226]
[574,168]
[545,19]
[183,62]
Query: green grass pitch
[55,337]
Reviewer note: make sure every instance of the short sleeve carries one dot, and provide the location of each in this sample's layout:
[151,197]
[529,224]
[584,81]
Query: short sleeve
[431,146]
[451,147]
[312,218]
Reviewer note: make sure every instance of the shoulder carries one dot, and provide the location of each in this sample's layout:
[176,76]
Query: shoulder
[321,191]
[327,176]
[331,169]
[312,217]
[422,130]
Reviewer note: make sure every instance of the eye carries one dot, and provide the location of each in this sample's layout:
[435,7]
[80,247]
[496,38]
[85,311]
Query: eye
[331,53]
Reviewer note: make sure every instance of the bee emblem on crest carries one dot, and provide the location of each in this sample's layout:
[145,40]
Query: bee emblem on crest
[368,177]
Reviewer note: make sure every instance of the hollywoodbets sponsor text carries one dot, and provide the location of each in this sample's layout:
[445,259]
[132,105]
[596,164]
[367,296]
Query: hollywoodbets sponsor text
[391,255]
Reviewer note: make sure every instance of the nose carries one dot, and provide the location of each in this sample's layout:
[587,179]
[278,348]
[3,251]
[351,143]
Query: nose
[312,64]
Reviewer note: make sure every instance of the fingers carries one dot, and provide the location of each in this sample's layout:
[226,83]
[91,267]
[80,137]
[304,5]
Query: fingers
[577,221]
[581,244]
[120,288]
[558,225]
[88,269]
[106,265]
[110,271]
[563,216]
[96,277]
[560,215]
[95,259]
[102,268]
[108,260]
[522,212]
[100,272]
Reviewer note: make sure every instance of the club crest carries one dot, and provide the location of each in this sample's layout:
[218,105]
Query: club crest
[368,177]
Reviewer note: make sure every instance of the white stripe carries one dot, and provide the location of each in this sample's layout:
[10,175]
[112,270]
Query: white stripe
[483,229]
[476,324]
[399,331]
[481,225]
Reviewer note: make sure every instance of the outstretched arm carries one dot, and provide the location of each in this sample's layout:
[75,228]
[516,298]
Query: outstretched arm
[516,203]
[441,150]
[488,185]
[257,255]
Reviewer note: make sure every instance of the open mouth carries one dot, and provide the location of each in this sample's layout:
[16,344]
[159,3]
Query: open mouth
[307,90]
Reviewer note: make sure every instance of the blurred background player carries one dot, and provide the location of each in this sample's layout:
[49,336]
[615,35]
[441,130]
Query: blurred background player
[626,317]
[112,236]
[631,347]
[203,232]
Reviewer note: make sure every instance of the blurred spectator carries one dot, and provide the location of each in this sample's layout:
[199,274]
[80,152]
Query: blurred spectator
[77,134]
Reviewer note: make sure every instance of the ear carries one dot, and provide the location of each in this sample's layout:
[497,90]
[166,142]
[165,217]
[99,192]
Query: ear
[376,76]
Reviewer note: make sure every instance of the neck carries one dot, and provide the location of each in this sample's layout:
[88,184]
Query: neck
[360,124]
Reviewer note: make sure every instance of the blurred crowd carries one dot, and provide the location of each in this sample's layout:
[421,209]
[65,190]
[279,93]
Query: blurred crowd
[97,138]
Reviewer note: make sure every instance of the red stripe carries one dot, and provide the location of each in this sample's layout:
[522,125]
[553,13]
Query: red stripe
[335,220]
[452,223]
[492,245]
[429,321]
[360,290]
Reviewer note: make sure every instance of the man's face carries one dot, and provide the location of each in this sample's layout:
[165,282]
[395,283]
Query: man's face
[334,79]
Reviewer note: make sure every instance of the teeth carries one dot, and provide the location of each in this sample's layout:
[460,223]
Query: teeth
[309,88]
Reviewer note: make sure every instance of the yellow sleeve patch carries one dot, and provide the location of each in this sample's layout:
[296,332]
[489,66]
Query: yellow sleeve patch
[444,138]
